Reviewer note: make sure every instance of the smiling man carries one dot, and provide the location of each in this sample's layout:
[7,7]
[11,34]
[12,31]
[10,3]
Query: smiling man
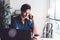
[25,20]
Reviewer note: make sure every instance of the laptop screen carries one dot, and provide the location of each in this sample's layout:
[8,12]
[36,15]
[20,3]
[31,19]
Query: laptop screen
[15,34]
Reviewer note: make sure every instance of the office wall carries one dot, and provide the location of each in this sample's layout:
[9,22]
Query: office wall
[39,10]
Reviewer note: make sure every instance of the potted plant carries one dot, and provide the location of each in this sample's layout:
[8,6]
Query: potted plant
[4,12]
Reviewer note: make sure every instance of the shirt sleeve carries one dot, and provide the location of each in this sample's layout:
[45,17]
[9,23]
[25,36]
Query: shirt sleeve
[31,25]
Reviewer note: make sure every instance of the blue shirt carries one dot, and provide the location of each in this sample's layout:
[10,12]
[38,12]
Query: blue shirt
[16,22]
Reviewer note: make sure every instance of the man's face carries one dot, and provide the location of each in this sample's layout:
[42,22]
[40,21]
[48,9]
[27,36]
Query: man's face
[27,13]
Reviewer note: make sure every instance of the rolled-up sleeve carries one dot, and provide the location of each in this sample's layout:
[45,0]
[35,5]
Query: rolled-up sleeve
[31,25]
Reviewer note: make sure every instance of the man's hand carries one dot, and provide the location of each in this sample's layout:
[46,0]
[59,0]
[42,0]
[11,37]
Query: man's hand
[34,38]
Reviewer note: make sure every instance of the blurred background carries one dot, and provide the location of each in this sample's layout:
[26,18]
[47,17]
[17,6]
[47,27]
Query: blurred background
[46,15]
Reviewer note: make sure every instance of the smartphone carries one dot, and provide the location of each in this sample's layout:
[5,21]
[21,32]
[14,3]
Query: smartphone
[36,35]
[30,16]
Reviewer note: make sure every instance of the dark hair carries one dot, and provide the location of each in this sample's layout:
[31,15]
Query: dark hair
[24,7]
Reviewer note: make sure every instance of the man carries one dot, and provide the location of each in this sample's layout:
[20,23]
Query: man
[25,20]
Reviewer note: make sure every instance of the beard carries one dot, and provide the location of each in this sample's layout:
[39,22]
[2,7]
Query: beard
[24,16]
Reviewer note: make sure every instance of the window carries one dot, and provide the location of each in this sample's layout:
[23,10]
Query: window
[54,13]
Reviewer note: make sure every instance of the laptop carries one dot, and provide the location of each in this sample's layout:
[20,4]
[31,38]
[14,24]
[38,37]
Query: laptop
[15,34]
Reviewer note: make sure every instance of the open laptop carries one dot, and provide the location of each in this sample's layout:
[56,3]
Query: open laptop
[15,34]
